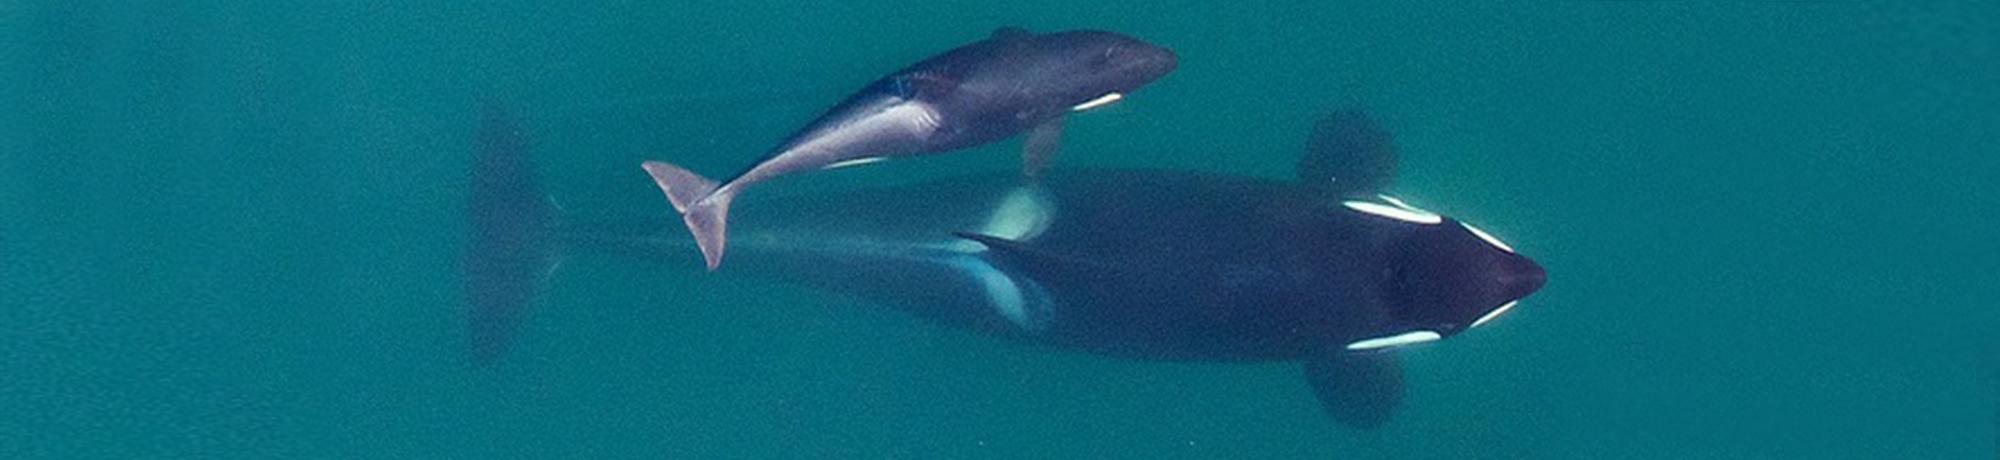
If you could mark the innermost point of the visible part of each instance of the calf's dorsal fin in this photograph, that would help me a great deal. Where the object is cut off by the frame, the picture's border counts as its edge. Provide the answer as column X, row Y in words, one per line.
column 1041, row 147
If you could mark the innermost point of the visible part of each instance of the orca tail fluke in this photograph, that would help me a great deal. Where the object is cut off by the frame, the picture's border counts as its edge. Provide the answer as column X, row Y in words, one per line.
column 705, row 211
column 511, row 246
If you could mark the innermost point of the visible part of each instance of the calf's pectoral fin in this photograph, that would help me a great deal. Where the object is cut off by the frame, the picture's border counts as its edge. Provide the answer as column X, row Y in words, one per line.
column 1041, row 147
column 1360, row 390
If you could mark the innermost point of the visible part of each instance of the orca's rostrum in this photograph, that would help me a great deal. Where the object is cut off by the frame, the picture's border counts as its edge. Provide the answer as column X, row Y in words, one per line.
column 1328, row 269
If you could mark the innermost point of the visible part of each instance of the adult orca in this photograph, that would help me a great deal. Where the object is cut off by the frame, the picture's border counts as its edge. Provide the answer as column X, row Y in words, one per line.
column 1146, row 264
column 982, row 92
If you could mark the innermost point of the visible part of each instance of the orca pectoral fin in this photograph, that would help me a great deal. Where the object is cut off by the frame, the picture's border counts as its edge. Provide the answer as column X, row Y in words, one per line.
column 1360, row 390
column 1008, row 249
column 1349, row 154
column 1041, row 147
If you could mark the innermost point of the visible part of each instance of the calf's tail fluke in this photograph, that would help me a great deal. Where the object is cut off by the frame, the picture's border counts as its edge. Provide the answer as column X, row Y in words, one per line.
column 510, row 248
column 705, row 211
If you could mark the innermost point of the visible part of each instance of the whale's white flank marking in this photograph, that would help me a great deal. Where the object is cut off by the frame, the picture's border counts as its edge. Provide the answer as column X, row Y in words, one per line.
column 885, row 117
column 1001, row 291
column 1486, row 236
column 1021, row 215
column 1493, row 314
column 1101, row 101
column 1405, row 338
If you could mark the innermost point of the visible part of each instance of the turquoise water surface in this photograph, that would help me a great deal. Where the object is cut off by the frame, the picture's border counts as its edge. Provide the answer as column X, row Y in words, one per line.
column 231, row 230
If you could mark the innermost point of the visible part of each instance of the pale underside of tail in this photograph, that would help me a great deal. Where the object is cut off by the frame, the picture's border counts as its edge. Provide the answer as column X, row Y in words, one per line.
column 702, row 208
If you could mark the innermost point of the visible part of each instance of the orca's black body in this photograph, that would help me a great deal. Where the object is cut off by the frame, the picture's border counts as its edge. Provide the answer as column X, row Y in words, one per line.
column 1154, row 265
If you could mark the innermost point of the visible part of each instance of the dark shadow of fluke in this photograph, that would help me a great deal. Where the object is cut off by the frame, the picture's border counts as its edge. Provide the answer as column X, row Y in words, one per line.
column 509, row 250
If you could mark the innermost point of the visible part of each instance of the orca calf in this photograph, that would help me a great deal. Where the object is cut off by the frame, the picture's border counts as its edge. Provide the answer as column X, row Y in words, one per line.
column 976, row 94
column 1328, row 269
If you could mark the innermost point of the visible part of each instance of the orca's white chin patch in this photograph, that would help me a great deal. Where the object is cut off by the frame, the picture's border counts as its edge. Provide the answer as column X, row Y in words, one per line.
column 1397, row 340
column 1101, row 101
column 1486, row 237
column 1493, row 314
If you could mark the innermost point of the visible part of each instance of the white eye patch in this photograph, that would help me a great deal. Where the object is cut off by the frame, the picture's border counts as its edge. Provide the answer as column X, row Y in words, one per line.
column 1101, row 101
column 1485, row 236
column 1395, row 210
column 1399, row 203
column 853, row 162
column 1397, row 340
column 1493, row 314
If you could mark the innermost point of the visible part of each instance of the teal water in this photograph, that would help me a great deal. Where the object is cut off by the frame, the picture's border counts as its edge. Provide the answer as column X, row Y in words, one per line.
column 230, row 229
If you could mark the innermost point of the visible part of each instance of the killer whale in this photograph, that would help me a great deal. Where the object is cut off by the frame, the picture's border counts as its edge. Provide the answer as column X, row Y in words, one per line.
column 982, row 92
column 1328, row 269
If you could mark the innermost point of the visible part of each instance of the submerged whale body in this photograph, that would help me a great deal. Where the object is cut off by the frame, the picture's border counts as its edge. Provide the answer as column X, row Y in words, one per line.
column 1160, row 265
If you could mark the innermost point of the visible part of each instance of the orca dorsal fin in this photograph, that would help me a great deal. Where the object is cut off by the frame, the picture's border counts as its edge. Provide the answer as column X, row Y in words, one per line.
column 1035, row 260
column 1359, row 390
column 1349, row 154
column 1010, row 33
column 1014, row 250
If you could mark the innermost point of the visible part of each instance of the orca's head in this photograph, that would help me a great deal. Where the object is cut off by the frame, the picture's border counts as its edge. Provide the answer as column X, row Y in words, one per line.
column 1097, row 67
column 1452, row 277
column 1445, row 276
